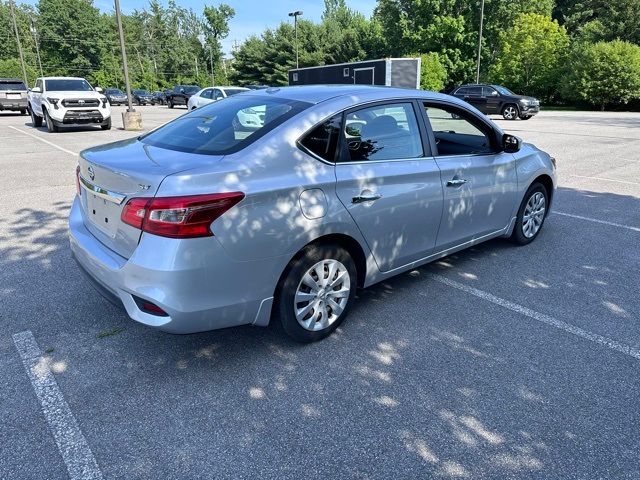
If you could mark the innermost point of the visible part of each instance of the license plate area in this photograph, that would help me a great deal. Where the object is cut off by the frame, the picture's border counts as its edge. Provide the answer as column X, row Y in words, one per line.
column 14, row 96
column 102, row 213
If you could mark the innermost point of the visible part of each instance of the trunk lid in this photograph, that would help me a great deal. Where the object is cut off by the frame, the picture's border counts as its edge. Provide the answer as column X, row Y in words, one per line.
column 112, row 174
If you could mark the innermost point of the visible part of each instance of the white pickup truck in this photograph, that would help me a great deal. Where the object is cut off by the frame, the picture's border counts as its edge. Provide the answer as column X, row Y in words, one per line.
column 68, row 101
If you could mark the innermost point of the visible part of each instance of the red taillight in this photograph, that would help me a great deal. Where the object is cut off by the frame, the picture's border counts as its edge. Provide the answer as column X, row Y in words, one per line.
column 78, row 179
column 179, row 217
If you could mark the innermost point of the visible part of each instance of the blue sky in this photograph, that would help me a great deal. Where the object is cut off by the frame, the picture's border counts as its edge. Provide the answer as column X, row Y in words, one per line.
column 252, row 16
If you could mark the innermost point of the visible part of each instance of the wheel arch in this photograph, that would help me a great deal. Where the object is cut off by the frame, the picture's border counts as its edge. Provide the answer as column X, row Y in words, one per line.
column 547, row 183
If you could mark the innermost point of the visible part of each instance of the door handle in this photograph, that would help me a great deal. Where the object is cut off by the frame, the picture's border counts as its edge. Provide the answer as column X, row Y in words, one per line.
column 456, row 182
column 366, row 198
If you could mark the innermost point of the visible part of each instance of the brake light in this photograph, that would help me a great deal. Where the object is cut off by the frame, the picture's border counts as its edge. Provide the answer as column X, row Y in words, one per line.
column 179, row 217
column 78, row 180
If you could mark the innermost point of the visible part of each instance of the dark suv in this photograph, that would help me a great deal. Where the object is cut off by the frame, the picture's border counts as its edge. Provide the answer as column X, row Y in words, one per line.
column 180, row 94
column 13, row 95
column 496, row 99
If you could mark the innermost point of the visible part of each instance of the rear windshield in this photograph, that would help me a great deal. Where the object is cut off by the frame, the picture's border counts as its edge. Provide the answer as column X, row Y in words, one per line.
column 12, row 86
column 224, row 127
column 233, row 91
column 191, row 89
column 68, row 85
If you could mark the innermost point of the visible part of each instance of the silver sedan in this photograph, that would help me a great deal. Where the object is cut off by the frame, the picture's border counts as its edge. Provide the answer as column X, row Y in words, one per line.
column 210, row 222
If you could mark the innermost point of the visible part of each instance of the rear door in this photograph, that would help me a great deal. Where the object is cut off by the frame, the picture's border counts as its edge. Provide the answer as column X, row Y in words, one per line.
column 478, row 180
column 388, row 181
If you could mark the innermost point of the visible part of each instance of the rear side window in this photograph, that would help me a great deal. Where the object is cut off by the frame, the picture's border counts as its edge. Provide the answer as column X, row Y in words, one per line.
column 462, row 91
column 475, row 91
column 225, row 127
column 12, row 86
column 382, row 132
column 323, row 140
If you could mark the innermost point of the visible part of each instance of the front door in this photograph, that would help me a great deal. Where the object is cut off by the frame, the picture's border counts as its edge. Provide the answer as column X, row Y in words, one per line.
column 389, row 182
column 493, row 100
column 475, row 97
column 363, row 76
column 478, row 180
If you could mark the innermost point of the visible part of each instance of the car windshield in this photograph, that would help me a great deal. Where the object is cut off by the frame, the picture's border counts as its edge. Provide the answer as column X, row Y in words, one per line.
column 115, row 91
column 191, row 89
column 68, row 85
column 503, row 90
column 141, row 92
column 223, row 127
column 233, row 91
column 12, row 86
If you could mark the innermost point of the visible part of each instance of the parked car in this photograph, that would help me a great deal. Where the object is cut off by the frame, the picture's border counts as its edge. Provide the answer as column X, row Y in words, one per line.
column 159, row 98
column 142, row 97
column 257, row 87
column 115, row 96
column 212, row 94
column 496, row 99
column 68, row 101
column 180, row 94
column 199, row 224
column 13, row 95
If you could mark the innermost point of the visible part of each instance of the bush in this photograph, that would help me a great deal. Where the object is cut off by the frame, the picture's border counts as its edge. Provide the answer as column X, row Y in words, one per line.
column 603, row 74
column 531, row 56
column 433, row 74
column 11, row 68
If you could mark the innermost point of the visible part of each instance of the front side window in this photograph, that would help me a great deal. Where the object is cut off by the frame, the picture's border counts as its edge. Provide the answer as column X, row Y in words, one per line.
column 503, row 90
column 206, row 93
column 323, row 139
column 225, row 127
column 68, row 85
column 456, row 133
column 489, row 91
column 382, row 132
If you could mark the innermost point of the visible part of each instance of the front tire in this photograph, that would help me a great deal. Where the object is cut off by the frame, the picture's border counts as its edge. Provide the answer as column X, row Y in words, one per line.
column 510, row 112
column 36, row 120
column 526, row 117
column 106, row 125
column 170, row 103
column 317, row 291
column 531, row 215
column 51, row 127
column 23, row 112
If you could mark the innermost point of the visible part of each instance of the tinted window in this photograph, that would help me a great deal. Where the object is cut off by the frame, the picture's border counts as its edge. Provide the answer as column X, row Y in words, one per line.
column 383, row 132
column 457, row 134
column 191, row 89
column 114, row 91
column 475, row 91
column 488, row 91
column 462, row 91
column 12, row 86
column 67, row 85
column 206, row 93
column 503, row 90
column 233, row 91
column 323, row 139
column 224, row 127
column 217, row 94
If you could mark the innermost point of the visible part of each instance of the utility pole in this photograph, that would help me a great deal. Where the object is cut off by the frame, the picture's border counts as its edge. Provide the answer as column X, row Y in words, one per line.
column 213, row 79
column 15, row 28
column 295, row 16
column 35, row 37
column 197, row 75
column 131, row 119
column 480, row 41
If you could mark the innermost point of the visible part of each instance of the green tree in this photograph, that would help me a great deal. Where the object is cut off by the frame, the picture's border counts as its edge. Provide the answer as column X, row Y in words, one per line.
column 531, row 56
column 433, row 74
column 603, row 74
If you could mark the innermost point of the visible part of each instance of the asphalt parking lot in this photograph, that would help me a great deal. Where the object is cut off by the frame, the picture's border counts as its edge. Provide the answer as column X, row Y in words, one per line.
column 497, row 362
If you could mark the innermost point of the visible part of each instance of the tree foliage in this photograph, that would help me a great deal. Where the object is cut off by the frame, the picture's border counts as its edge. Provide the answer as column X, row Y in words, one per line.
column 604, row 74
column 531, row 56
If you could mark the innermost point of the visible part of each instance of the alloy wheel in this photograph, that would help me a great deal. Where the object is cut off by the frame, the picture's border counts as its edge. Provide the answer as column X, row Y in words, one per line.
column 510, row 112
column 322, row 295
column 533, row 214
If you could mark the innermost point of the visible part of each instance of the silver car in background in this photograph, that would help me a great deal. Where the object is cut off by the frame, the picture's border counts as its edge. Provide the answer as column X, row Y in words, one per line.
column 209, row 95
column 207, row 223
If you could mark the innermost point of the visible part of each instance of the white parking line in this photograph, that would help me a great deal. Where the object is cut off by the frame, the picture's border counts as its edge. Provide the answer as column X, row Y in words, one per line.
column 73, row 447
column 605, row 179
column 62, row 149
column 541, row 317
column 595, row 220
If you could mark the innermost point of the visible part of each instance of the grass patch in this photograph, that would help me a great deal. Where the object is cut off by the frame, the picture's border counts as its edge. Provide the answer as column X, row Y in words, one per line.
column 110, row 332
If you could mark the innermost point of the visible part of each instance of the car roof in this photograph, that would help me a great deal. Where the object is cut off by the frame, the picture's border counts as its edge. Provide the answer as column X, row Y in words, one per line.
column 320, row 93
column 9, row 79
column 63, row 78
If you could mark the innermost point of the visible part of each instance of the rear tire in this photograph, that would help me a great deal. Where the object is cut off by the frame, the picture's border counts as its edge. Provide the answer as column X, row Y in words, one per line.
column 531, row 215
column 323, row 279
column 51, row 127
column 510, row 112
column 36, row 120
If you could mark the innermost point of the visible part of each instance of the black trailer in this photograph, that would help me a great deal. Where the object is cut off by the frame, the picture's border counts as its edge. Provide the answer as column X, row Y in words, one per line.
column 392, row 72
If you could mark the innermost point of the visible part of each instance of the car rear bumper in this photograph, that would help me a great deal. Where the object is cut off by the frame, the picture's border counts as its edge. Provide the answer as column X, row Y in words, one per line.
column 194, row 281
column 13, row 105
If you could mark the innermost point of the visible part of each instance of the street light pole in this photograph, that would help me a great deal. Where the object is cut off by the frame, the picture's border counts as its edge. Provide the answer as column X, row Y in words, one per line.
column 295, row 16
column 15, row 28
column 34, row 31
column 131, row 119
column 480, row 41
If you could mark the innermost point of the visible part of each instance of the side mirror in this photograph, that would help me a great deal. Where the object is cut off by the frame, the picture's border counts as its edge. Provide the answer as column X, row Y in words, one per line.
column 494, row 93
column 511, row 143
column 182, row 90
column 36, row 90
column 98, row 89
